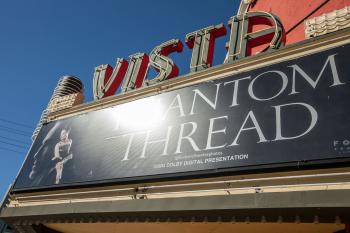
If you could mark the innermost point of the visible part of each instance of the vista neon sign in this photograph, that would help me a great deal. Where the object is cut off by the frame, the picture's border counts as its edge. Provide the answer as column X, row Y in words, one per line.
column 132, row 74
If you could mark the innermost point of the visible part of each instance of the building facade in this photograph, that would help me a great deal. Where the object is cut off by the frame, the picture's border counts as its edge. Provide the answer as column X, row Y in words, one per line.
column 257, row 144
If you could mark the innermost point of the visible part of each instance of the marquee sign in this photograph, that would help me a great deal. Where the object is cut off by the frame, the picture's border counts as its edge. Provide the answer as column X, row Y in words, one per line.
column 133, row 74
column 287, row 114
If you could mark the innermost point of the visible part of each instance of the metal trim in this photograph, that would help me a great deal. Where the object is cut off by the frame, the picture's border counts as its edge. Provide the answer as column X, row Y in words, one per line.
column 329, row 206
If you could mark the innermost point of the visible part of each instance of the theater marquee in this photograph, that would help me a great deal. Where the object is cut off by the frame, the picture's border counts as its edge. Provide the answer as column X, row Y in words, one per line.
column 287, row 114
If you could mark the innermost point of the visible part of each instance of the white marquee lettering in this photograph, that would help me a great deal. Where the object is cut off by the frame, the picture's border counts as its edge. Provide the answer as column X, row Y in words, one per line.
column 211, row 132
column 212, row 104
column 256, row 127
column 330, row 61
column 235, row 90
column 165, row 141
column 175, row 104
column 187, row 137
column 284, row 85
column 313, row 121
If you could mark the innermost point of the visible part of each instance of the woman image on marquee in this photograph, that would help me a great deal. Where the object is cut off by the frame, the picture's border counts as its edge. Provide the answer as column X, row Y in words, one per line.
column 62, row 153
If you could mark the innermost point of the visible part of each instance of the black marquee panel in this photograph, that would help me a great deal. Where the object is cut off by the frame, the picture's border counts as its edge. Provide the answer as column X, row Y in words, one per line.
column 288, row 113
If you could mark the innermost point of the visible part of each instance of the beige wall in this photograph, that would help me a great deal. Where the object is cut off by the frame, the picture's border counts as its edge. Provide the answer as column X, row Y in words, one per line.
column 196, row 227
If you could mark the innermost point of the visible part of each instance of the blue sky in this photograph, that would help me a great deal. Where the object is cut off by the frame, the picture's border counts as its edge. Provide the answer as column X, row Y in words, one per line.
column 41, row 40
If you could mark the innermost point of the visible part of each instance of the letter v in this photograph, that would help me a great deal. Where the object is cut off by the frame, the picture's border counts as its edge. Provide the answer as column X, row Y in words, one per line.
column 107, row 80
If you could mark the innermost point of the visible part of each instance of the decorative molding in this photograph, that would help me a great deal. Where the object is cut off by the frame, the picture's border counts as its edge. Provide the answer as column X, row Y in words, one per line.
column 65, row 102
column 66, row 85
column 326, row 23
column 315, row 206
